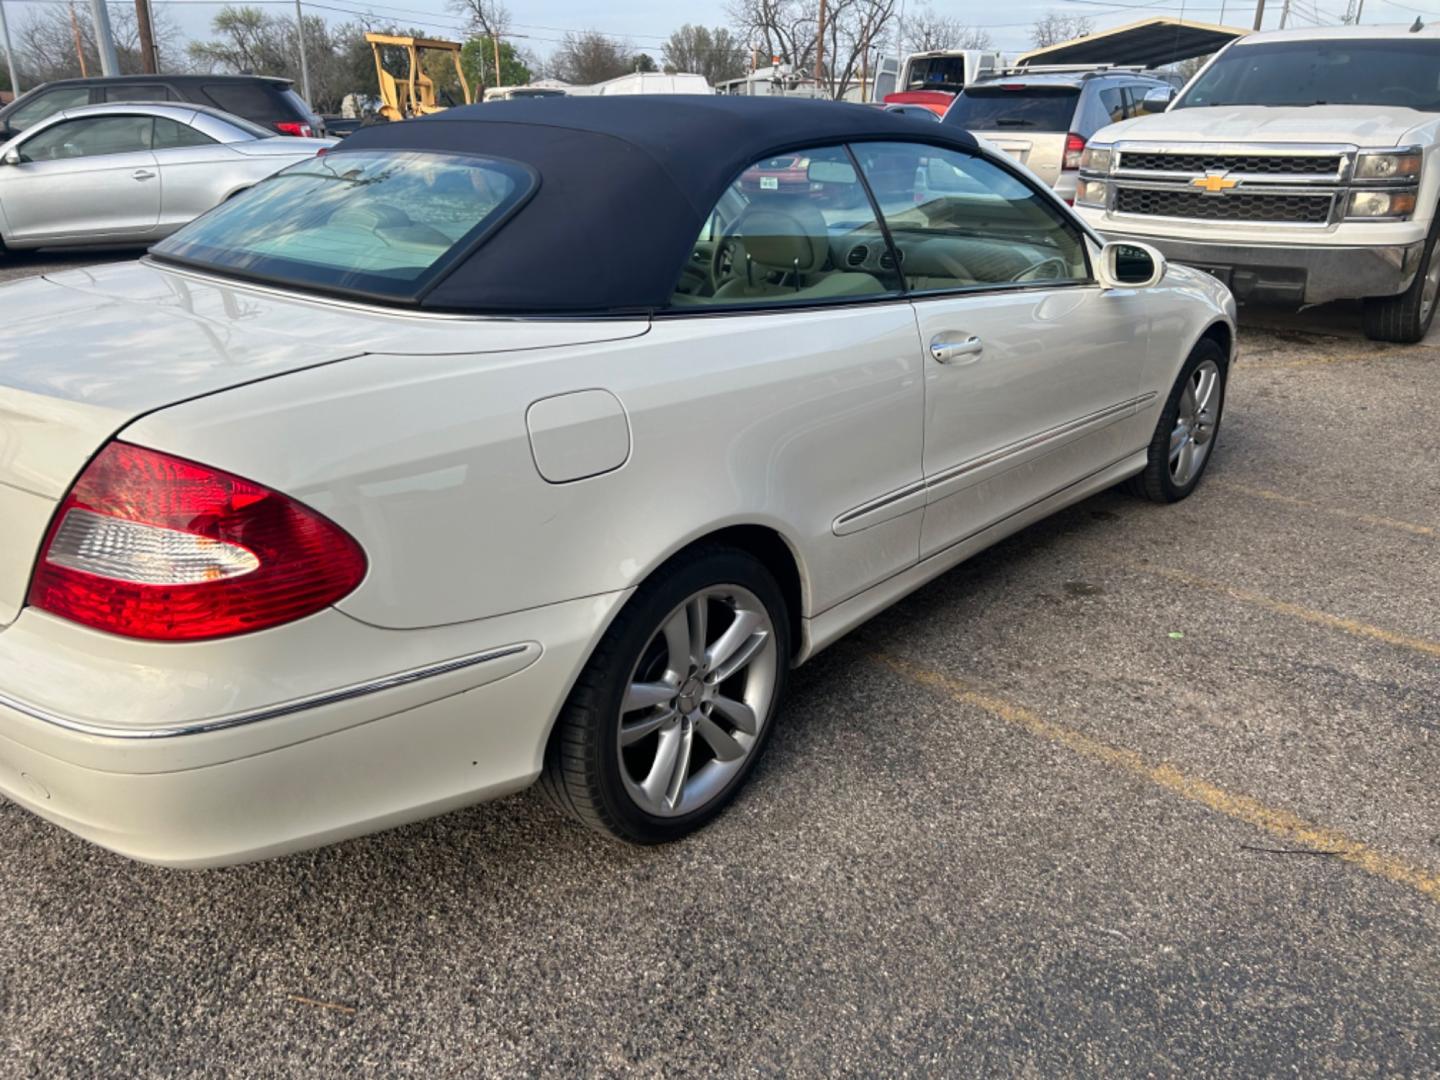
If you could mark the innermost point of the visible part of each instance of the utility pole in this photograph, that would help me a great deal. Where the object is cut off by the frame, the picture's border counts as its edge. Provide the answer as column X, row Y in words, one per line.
column 1284, row 14
column 104, row 38
column 820, row 50
column 79, row 45
column 9, row 52
column 304, row 63
column 1259, row 13
column 147, row 38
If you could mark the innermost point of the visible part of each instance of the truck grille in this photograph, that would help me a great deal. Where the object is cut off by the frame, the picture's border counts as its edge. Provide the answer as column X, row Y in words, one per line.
column 1300, row 209
column 1138, row 161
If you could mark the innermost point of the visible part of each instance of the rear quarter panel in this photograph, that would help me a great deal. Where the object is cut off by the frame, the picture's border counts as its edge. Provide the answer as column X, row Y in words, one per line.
column 784, row 420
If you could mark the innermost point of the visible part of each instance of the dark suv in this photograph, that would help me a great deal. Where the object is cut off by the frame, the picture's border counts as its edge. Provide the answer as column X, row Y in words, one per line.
column 272, row 103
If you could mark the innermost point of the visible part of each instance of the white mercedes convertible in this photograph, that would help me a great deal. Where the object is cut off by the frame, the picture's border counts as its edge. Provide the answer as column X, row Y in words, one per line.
column 540, row 442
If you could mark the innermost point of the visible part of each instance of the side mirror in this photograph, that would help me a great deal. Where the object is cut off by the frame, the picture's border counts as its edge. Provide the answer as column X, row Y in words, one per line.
column 1125, row 264
column 1159, row 99
column 13, row 156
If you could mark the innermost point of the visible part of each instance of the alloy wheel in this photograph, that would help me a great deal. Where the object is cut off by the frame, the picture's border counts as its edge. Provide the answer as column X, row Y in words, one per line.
column 1190, row 441
column 696, row 701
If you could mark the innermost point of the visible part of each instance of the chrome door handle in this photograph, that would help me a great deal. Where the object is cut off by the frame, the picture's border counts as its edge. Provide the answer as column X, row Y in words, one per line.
column 143, row 174
column 947, row 352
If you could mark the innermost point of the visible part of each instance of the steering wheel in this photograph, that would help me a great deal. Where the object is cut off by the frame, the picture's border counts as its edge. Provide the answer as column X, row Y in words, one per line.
column 723, row 255
column 1052, row 269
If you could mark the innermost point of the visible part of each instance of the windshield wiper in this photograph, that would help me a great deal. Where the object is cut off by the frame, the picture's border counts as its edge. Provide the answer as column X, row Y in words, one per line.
column 1003, row 122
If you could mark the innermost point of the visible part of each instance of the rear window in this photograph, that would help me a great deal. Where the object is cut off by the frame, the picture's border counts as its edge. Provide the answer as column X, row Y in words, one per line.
column 251, row 100
column 1014, row 106
column 937, row 73
column 379, row 224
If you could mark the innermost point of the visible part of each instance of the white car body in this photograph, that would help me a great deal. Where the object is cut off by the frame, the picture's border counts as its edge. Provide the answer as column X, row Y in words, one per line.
column 512, row 481
column 1300, row 262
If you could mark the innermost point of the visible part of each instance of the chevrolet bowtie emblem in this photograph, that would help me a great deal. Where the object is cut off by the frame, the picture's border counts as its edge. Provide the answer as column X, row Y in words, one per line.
column 1214, row 183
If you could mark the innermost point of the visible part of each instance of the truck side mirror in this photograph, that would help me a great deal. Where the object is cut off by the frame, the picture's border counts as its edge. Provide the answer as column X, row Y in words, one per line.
column 1158, row 100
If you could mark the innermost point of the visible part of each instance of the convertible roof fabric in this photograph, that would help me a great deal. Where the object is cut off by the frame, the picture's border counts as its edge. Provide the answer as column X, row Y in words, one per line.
column 626, row 184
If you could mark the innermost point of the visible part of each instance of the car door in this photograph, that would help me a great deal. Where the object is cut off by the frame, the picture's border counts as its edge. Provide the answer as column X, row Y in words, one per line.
column 1031, row 370
column 91, row 177
column 193, row 171
column 802, row 362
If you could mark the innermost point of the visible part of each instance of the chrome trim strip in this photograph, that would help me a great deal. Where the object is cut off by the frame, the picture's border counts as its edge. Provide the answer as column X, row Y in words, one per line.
column 880, row 503
column 973, row 465
column 269, row 712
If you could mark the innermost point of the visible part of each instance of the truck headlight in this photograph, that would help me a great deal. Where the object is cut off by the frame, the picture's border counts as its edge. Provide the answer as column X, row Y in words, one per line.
column 1095, row 159
column 1381, row 204
column 1091, row 192
column 1387, row 166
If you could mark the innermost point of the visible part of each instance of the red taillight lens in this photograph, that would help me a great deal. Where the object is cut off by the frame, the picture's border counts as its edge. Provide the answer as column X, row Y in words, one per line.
column 1074, row 147
column 293, row 127
column 152, row 546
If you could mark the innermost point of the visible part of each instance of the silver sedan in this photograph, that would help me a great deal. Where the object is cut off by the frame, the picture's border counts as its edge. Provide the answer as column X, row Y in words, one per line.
column 131, row 172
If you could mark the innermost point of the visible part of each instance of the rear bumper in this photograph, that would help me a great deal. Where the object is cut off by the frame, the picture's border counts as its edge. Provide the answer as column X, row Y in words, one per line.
column 309, row 772
column 1293, row 274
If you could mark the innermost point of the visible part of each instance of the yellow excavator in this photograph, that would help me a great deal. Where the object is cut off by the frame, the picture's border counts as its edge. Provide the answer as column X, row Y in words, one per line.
column 415, row 96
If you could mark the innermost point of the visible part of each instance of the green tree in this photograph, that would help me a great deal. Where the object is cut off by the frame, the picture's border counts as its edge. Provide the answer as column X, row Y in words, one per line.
column 478, row 60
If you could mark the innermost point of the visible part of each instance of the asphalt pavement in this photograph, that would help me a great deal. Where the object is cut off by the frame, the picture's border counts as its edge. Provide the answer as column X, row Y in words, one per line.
column 1141, row 791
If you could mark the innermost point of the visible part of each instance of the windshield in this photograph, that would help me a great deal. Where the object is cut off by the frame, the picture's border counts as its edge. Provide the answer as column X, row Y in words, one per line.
column 379, row 223
column 1391, row 73
column 1017, row 106
column 937, row 73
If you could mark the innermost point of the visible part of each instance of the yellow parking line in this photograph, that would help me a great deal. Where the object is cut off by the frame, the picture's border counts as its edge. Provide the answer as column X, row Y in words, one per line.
column 1279, row 823
column 1309, row 615
column 1333, row 511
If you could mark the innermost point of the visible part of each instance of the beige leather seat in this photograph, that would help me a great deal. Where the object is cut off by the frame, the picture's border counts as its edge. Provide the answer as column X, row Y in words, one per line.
column 786, row 245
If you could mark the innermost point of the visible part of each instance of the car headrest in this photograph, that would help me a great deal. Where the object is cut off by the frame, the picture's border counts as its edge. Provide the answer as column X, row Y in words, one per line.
column 785, row 234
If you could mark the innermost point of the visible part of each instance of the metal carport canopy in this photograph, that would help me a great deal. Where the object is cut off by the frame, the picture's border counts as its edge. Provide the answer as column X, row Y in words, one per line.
column 1149, row 43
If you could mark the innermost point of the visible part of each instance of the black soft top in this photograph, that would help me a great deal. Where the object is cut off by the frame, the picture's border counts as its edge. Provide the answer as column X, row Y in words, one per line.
column 625, row 187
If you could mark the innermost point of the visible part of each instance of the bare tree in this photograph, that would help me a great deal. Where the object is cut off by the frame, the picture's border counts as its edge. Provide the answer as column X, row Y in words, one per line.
column 45, row 42
column 926, row 30
column 1057, row 26
column 591, row 57
column 784, row 30
column 853, row 29
column 716, row 54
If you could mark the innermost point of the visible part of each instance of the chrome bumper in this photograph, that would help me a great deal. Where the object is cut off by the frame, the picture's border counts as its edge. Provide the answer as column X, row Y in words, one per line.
column 1299, row 275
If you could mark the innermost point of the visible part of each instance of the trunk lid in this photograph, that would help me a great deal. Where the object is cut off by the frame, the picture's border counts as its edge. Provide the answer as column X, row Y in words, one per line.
column 86, row 352
column 1043, row 154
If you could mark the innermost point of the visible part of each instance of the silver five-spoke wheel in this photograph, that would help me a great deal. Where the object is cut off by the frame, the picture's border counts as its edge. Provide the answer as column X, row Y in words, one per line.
column 696, row 700
column 1195, row 424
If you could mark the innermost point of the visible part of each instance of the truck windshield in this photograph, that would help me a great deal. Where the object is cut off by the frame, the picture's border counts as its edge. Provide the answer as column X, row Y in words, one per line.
column 1014, row 107
column 1387, row 72
column 936, row 73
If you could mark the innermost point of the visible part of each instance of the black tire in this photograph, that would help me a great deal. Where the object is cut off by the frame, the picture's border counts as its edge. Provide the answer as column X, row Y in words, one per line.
column 1156, row 483
column 1404, row 319
column 582, row 773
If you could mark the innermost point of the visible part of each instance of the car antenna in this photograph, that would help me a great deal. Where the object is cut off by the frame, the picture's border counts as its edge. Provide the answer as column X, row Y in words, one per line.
column 1417, row 25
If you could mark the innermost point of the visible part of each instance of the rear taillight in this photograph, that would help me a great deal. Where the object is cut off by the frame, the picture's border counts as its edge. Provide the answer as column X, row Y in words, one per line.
column 294, row 127
column 1074, row 147
column 152, row 546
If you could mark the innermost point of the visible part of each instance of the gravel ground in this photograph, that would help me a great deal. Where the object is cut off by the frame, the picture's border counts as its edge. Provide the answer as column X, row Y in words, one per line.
column 1141, row 791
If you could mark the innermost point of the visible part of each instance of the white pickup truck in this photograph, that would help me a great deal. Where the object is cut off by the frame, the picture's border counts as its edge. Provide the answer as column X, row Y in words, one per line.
column 1298, row 166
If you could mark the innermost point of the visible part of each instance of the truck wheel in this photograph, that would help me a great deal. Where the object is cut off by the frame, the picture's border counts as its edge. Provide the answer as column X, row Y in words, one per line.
column 1406, row 318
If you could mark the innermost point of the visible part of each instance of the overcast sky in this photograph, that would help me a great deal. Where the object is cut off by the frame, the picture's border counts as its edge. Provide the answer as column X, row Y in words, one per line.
column 646, row 23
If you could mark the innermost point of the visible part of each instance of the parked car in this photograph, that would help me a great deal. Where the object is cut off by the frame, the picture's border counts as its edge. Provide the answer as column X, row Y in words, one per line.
column 1299, row 167
column 271, row 103
column 429, row 468
column 112, row 174
column 917, row 112
column 1043, row 117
